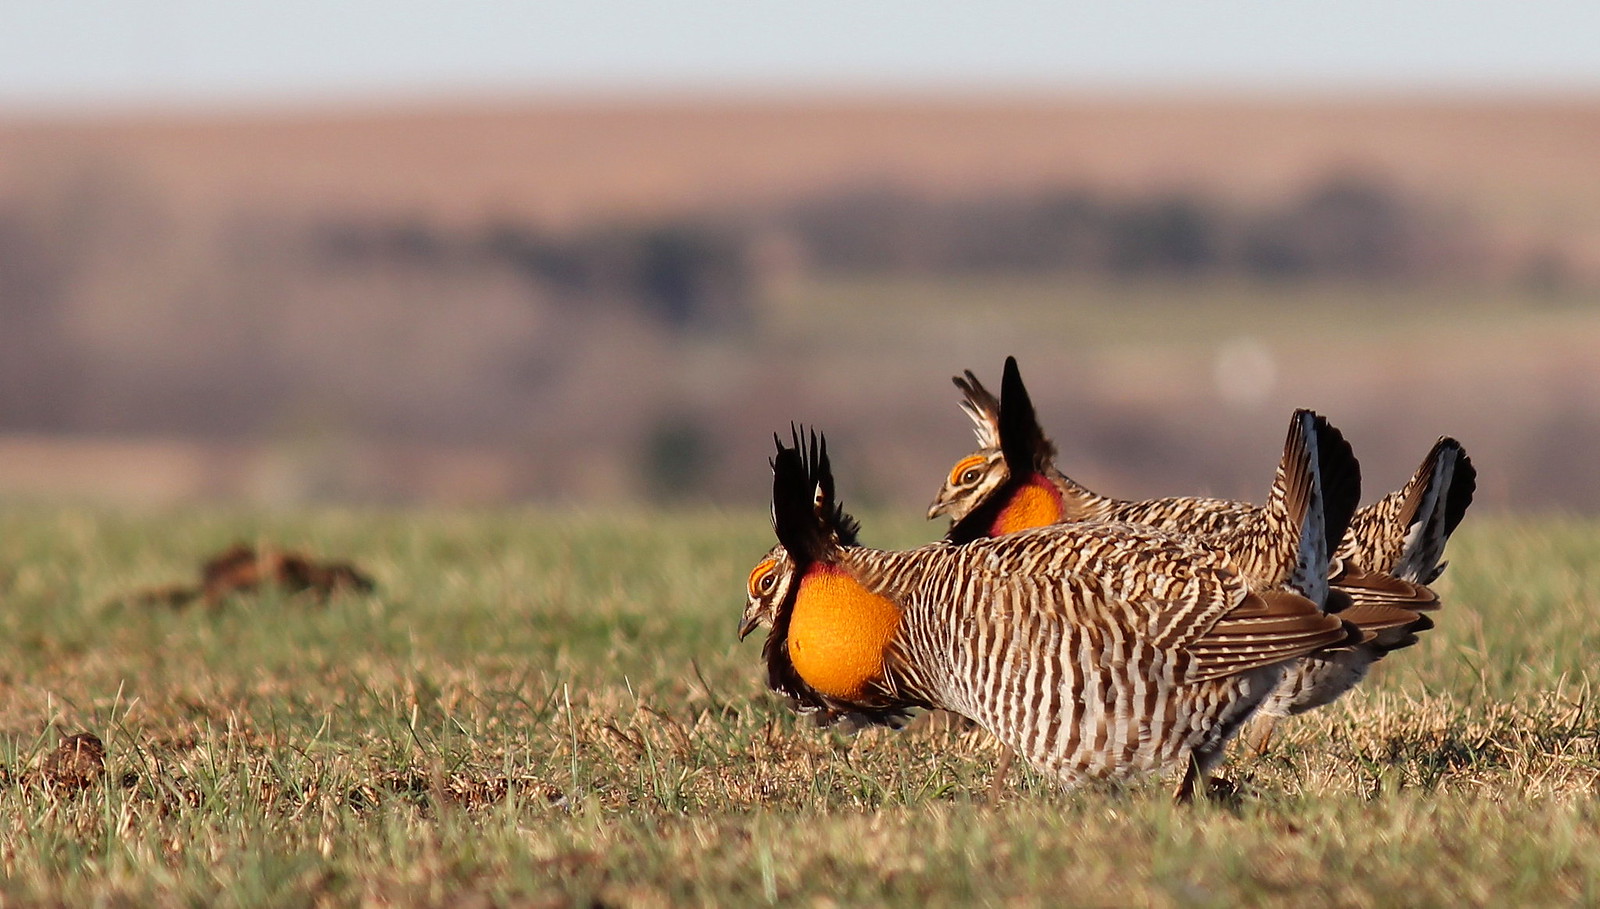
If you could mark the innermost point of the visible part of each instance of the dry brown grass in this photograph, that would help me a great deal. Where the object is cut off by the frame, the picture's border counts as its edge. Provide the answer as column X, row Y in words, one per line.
column 543, row 708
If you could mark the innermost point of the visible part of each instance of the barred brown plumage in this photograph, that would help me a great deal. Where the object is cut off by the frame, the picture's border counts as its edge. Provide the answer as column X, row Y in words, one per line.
column 1096, row 651
column 1404, row 533
column 1391, row 548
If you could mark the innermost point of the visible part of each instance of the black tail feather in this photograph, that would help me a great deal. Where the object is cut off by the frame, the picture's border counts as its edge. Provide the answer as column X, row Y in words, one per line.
column 1462, row 487
column 1341, row 480
column 1436, row 500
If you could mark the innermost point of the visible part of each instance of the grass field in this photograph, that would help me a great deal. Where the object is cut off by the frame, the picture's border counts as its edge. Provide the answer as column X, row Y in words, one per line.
column 549, row 708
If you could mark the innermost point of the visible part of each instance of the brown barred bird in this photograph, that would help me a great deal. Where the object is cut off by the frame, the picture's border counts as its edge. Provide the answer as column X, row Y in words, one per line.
column 1402, row 534
column 1392, row 549
column 1095, row 651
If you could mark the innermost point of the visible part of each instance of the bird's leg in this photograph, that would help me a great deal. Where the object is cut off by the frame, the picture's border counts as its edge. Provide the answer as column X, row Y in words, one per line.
column 1001, row 771
column 1259, row 736
column 1192, row 778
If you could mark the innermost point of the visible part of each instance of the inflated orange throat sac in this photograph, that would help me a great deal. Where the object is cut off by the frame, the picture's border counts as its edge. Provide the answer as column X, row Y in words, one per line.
column 1035, row 505
column 839, row 631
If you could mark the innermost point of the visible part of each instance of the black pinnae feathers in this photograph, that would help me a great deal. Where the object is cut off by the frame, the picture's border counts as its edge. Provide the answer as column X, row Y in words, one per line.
column 1025, row 449
column 793, row 515
column 806, row 515
column 841, row 526
column 1022, row 441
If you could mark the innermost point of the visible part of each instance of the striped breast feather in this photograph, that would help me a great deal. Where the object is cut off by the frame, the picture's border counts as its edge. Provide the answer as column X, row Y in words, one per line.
column 1190, row 514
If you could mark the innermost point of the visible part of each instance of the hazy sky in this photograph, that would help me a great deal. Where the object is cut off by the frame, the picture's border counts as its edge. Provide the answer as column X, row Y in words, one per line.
column 97, row 52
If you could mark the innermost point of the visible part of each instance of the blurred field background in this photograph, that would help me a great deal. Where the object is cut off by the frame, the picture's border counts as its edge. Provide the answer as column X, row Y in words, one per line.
column 610, row 299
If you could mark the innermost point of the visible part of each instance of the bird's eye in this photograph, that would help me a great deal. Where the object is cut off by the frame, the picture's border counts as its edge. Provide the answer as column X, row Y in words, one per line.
column 966, row 470
column 763, row 577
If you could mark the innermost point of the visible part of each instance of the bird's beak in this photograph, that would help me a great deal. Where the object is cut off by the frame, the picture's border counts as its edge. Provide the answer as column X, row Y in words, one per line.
column 937, row 508
column 748, row 625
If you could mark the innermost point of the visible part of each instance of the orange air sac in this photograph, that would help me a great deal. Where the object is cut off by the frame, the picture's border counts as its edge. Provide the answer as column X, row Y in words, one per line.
column 839, row 631
column 1037, row 504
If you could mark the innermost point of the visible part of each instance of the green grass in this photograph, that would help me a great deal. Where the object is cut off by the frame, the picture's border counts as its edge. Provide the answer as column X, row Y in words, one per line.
column 1084, row 313
column 550, row 708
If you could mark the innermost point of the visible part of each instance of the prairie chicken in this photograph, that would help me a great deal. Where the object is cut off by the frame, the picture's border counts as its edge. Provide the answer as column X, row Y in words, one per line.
column 1095, row 651
column 1012, row 482
column 1402, row 534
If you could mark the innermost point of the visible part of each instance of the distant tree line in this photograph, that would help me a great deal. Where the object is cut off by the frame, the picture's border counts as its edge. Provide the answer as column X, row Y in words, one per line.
column 686, row 275
column 1347, row 226
column 40, row 368
column 702, row 273
column 115, row 315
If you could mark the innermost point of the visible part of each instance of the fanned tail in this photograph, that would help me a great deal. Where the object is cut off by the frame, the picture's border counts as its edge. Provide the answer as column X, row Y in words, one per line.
column 1313, row 498
column 1436, row 500
column 1405, row 532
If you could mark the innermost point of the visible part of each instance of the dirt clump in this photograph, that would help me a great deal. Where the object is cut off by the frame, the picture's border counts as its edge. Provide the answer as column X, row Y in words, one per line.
column 242, row 568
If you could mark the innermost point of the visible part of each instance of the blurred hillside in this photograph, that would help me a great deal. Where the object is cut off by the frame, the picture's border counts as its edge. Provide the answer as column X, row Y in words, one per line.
column 609, row 301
